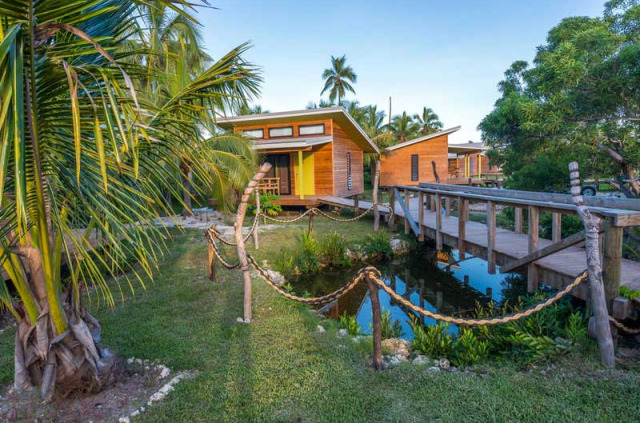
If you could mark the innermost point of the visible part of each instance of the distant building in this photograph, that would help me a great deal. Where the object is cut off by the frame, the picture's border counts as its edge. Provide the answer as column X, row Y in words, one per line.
column 469, row 161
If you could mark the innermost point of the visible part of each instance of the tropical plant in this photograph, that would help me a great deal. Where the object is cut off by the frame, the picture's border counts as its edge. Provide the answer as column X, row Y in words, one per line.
column 468, row 349
column 350, row 324
column 332, row 250
column 434, row 341
column 83, row 158
column 390, row 328
column 428, row 121
column 268, row 205
column 378, row 245
column 307, row 257
column 256, row 109
column 403, row 127
column 338, row 79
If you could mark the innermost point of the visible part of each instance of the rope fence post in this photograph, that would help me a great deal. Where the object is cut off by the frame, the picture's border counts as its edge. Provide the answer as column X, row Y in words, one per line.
column 311, row 215
column 242, row 252
column 377, row 323
column 212, row 258
column 256, row 242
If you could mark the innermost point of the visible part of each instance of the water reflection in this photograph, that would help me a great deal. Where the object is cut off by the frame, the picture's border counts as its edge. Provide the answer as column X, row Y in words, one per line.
column 436, row 281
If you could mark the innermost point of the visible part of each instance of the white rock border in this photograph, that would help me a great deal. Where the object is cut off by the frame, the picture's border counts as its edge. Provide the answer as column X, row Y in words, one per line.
column 162, row 392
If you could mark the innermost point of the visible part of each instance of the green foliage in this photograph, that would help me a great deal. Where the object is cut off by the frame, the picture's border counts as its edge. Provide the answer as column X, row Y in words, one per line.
column 268, row 205
column 433, row 341
column 307, row 258
column 332, row 250
column 284, row 262
column 628, row 293
column 390, row 328
column 468, row 349
column 350, row 324
column 288, row 288
column 378, row 245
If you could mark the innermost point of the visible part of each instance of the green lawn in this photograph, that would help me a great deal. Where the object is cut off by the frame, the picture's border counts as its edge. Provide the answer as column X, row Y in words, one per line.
column 279, row 369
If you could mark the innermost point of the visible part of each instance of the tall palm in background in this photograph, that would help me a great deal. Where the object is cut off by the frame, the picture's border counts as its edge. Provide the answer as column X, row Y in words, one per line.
column 403, row 127
column 338, row 79
column 428, row 121
column 179, row 78
column 83, row 158
column 257, row 109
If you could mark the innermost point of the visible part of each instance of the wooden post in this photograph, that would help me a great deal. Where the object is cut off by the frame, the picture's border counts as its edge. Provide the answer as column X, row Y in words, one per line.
column 377, row 324
column 556, row 227
column 518, row 220
column 612, row 262
column 438, row 223
column 421, row 216
column 356, row 204
column 532, row 270
column 596, row 287
column 256, row 243
column 462, row 206
column 407, row 201
column 392, row 204
column 301, row 172
column 212, row 258
column 491, row 236
column 447, row 206
column 376, row 183
column 242, row 252
column 432, row 203
column 435, row 171
column 310, row 230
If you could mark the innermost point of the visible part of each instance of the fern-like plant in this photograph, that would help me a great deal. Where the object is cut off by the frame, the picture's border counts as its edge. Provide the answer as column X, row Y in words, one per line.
column 350, row 324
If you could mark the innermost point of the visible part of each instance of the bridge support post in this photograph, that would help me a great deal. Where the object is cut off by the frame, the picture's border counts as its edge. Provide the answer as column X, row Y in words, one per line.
column 447, row 206
column 532, row 270
column 556, row 227
column 518, row 220
column 421, row 216
column 612, row 262
column 491, row 236
column 438, row 212
column 392, row 205
column 462, row 220
column 407, row 202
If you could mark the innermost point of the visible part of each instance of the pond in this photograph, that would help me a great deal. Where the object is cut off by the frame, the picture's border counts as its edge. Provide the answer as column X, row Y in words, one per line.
column 434, row 280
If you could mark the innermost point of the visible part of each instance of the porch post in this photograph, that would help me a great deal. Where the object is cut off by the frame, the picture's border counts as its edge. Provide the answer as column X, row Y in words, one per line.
column 301, row 169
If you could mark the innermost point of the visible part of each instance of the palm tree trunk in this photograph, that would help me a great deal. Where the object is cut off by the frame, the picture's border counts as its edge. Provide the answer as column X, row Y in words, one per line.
column 186, row 188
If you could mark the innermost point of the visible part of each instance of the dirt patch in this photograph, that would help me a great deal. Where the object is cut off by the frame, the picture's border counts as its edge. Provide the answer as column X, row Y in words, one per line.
column 139, row 384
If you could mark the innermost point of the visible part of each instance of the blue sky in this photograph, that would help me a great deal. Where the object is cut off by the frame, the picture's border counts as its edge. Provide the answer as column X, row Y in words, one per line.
column 447, row 55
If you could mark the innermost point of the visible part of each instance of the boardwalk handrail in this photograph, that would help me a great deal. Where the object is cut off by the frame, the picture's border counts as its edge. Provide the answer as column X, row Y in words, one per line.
column 595, row 201
column 407, row 212
column 619, row 217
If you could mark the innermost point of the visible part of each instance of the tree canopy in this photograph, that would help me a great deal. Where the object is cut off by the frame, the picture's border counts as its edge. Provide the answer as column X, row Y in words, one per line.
column 579, row 99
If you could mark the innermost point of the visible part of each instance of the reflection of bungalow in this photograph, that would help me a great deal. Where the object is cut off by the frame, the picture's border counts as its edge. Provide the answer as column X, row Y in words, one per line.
column 409, row 163
column 314, row 152
column 469, row 161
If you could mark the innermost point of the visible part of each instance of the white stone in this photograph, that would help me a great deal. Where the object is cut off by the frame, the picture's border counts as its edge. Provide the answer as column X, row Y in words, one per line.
column 401, row 358
column 164, row 372
column 444, row 364
column 320, row 329
column 123, row 420
column 240, row 320
column 276, row 277
column 247, row 320
column 130, row 360
column 135, row 413
column 434, row 369
column 421, row 360
column 343, row 332
column 158, row 396
column 399, row 246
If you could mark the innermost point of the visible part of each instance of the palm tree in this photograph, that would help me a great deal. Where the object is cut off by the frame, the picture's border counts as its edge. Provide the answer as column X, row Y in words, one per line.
column 83, row 158
column 429, row 121
column 323, row 103
column 403, row 127
column 337, row 79
column 245, row 109
column 355, row 111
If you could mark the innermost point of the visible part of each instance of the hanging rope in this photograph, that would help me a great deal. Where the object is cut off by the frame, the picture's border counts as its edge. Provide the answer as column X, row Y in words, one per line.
column 622, row 327
column 316, row 210
column 213, row 232
column 210, row 239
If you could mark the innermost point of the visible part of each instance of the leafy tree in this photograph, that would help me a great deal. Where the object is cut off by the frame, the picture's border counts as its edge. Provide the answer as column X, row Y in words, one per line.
column 429, row 121
column 83, row 156
column 580, row 98
column 338, row 79
column 403, row 127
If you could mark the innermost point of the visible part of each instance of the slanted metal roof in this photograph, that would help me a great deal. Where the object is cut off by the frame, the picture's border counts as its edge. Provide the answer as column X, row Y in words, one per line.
column 469, row 147
column 425, row 138
column 338, row 114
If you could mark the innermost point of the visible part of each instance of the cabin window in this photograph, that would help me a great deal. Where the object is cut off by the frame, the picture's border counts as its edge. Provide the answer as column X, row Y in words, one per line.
column 286, row 131
column 414, row 167
column 311, row 129
column 254, row 133
column 349, row 171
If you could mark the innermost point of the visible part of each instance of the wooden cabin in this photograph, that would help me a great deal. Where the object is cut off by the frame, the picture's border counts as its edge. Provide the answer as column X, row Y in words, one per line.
column 468, row 161
column 314, row 152
column 409, row 163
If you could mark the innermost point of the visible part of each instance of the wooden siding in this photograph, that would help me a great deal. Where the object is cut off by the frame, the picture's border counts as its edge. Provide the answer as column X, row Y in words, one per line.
column 295, row 125
column 342, row 145
column 458, row 166
column 395, row 169
column 323, row 157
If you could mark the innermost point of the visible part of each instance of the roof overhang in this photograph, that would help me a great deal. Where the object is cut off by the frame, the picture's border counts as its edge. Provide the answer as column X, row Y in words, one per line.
column 467, row 148
column 338, row 114
column 291, row 143
column 425, row 138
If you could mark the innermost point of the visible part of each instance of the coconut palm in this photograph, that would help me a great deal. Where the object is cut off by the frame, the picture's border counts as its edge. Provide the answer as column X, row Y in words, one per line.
column 323, row 103
column 428, row 121
column 338, row 79
column 245, row 109
column 403, row 127
column 83, row 160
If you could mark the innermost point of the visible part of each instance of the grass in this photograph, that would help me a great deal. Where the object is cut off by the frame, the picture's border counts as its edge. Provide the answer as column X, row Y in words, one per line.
column 279, row 369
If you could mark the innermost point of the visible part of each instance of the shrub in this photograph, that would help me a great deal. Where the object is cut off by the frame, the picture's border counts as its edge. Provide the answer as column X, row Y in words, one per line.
column 350, row 324
column 468, row 349
column 268, row 205
column 378, row 245
column 433, row 341
column 306, row 258
column 284, row 262
column 332, row 250
column 390, row 329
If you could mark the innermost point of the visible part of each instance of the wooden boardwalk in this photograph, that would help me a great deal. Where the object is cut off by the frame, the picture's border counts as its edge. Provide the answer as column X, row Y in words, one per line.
column 555, row 270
